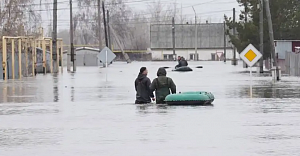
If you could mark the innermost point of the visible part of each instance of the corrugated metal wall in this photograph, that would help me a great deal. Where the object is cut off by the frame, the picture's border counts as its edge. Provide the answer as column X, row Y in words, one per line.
column 39, row 61
column 282, row 47
column 292, row 63
column 86, row 57
column 26, row 70
column 209, row 36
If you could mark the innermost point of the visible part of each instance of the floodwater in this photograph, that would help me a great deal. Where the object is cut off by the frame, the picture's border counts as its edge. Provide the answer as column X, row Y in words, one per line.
column 92, row 113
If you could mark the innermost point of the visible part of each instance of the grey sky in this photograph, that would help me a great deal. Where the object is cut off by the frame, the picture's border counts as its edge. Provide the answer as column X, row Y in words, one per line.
column 211, row 10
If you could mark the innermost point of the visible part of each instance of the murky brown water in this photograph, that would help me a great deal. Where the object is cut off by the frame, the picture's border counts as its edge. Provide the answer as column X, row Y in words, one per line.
column 82, row 114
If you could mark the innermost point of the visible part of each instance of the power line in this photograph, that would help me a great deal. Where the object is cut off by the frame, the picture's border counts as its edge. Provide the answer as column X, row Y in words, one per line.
column 149, row 18
column 79, row 7
column 198, row 4
column 61, row 2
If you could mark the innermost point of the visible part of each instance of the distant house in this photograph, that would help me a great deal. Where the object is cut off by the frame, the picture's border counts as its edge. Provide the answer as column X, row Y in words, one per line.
column 210, row 41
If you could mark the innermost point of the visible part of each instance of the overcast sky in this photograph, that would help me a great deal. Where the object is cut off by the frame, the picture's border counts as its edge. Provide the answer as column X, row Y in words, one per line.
column 212, row 10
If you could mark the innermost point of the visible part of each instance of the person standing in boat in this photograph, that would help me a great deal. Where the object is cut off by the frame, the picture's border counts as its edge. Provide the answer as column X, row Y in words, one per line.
column 162, row 86
column 142, row 87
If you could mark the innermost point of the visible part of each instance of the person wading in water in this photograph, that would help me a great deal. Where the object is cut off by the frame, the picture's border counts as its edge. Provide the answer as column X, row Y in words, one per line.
column 142, row 87
column 162, row 86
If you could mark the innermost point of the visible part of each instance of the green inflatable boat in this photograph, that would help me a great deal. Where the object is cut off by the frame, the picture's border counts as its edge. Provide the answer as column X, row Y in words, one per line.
column 190, row 98
column 183, row 69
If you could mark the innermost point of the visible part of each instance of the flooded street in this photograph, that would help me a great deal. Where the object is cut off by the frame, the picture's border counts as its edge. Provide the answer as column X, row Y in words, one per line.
column 92, row 113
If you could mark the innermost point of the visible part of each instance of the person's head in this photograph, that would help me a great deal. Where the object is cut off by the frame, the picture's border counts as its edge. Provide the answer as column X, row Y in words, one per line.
column 161, row 72
column 143, row 71
column 179, row 57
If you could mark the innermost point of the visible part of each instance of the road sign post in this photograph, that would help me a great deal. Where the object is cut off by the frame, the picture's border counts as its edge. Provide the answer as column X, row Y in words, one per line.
column 106, row 56
column 106, row 63
column 250, row 55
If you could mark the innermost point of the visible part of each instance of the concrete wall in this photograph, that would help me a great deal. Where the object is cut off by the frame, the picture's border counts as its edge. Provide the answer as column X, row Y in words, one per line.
column 204, row 54
column 209, row 36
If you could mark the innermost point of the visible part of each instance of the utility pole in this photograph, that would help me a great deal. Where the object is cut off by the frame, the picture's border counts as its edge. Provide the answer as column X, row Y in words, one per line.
column 246, row 12
column 224, row 41
column 119, row 44
column 268, row 12
column 261, row 36
column 104, row 21
column 54, row 37
column 173, row 37
column 196, row 36
column 99, row 24
column 234, row 61
column 108, row 31
column 71, row 38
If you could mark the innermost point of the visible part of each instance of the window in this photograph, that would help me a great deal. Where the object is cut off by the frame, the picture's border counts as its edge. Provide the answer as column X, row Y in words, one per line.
column 165, row 56
column 192, row 56
column 168, row 56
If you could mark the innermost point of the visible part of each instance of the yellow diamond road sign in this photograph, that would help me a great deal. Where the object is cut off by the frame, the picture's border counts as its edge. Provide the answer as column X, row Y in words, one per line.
column 250, row 55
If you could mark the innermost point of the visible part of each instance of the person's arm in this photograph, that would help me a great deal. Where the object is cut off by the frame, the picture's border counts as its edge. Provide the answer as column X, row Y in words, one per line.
column 172, row 86
column 135, row 85
column 148, row 84
column 187, row 63
column 153, row 86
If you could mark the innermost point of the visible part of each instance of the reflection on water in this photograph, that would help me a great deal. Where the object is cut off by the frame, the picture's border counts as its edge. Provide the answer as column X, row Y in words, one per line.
column 72, row 94
column 278, row 90
column 81, row 113
column 29, row 137
column 55, row 88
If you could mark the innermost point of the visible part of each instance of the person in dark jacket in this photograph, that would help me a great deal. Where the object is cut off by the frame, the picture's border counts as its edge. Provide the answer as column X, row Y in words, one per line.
column 142, row 87
column 179, row 62
column 178, row 59
column 183, row 62
column 162, row 86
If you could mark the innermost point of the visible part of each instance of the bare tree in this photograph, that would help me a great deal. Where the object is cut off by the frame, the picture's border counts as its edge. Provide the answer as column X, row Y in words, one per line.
column 17, row 17
column 132, row 28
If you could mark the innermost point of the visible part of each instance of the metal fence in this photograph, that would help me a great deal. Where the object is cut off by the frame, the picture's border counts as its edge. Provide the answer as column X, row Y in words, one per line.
column 292, row 63
column 209, row 35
